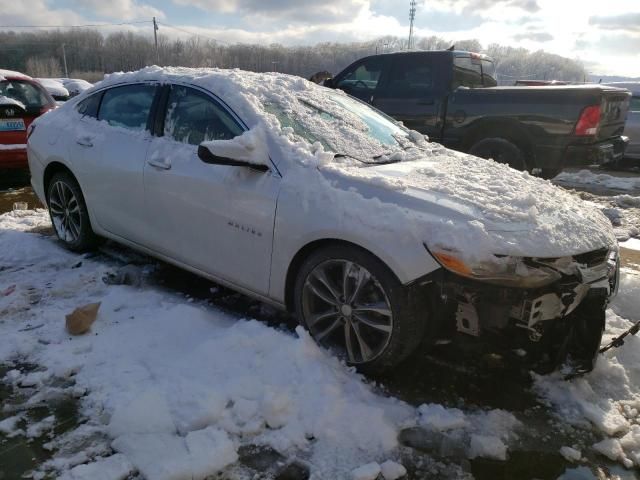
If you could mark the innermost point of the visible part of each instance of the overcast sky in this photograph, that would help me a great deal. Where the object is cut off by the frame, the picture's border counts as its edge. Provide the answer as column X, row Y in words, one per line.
column 604, row 35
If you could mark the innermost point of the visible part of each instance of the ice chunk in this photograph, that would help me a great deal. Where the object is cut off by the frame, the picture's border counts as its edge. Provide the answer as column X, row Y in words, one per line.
column 370, row 471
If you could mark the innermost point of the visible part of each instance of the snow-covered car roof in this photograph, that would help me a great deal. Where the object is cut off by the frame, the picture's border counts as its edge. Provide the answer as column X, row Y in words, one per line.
column 4, row 74
column 75, row 85
column 53, row 86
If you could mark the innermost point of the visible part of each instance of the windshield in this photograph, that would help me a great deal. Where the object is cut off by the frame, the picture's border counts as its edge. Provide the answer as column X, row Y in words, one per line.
column 26, row 93
column 342, row 125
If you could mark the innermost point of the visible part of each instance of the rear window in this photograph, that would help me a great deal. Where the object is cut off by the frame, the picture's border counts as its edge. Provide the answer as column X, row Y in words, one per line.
column 31, row 96
column 473, row 72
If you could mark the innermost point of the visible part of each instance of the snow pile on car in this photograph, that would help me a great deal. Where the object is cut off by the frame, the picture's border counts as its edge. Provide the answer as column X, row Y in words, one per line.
column 11, row 101
column 54, row 87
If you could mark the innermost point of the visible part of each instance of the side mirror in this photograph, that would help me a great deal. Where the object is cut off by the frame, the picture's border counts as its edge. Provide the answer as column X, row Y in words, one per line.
column 329, row 83
column 234, row 155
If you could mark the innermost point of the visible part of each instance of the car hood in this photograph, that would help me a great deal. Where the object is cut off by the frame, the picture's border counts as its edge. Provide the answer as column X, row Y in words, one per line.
column 479, row 207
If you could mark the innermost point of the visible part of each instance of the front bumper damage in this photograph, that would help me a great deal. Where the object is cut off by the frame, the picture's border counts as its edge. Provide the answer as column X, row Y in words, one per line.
column 556, row 324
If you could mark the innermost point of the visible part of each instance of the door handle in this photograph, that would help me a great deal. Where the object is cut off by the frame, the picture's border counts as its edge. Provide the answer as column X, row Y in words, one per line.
column 84, row 141
column 162, row 164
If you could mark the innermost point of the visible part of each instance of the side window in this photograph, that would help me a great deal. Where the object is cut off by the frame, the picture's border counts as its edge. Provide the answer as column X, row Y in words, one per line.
column 467, row 72
column 127, row 106
column 89, row 106
column 193, row 117
column 410, row 77
column 635, row 104
column 363, row 78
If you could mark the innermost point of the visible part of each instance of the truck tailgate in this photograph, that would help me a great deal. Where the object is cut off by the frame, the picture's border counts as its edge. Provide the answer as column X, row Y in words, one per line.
column 614, row 107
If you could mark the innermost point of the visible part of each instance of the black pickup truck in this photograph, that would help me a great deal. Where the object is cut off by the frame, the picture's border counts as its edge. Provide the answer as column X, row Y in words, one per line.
column 453, row 97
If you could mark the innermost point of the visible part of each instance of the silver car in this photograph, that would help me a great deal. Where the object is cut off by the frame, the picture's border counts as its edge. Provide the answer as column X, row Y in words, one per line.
column 305, row 198
column 632, row 127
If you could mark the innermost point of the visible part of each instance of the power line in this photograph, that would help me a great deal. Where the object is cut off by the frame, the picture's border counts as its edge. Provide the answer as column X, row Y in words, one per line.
column 191, row 33
column 79, row 26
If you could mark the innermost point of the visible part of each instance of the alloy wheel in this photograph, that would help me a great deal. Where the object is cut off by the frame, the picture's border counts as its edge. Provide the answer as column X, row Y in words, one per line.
column 65, row 212
column 346, row 309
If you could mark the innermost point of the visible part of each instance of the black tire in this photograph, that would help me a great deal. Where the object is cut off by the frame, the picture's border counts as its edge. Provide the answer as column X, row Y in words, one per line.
column 77, row 236
column 500, row 150
column 407, row 326
column 549, row 173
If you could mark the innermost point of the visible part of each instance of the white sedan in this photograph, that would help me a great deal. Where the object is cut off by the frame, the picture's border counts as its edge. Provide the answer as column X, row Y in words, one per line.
column 310, row 200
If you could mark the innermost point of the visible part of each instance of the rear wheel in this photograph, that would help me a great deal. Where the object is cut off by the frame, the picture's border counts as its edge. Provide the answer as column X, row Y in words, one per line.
column 500, row 150
column 352, row 304
column 68, row 213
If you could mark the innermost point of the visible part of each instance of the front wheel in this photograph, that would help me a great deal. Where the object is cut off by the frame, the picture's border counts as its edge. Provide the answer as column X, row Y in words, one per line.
column 68, row 212
column 352, row 304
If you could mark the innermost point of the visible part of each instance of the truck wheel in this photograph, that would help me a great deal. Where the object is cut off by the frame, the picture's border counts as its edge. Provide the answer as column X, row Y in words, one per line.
column 500, row 150
column 352, row 304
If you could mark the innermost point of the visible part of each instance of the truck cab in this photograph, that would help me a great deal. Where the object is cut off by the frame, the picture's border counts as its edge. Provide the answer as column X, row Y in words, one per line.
column 452, row 96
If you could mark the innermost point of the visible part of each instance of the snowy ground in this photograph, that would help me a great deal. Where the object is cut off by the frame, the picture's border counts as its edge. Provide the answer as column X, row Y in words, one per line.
column 168, row 386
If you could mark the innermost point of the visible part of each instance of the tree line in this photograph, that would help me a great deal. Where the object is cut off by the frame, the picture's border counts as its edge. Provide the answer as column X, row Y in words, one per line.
column 89, row 54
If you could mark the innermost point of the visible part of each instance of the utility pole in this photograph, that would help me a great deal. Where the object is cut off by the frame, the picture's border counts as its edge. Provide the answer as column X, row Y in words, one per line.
column 155, row 37
column 64, row 61
column 412, row 16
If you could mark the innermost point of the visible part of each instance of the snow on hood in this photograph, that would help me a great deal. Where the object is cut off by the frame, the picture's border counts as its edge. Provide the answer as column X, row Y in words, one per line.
column 485, row 207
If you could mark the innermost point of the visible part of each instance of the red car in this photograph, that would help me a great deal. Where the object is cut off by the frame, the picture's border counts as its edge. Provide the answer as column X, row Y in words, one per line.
column 22, row 100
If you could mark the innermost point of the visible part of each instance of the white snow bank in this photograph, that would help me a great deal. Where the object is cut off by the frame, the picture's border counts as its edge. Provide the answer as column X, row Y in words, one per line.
column 587, row 177
column 179, row 387
column 115, row 467
column 608, row 398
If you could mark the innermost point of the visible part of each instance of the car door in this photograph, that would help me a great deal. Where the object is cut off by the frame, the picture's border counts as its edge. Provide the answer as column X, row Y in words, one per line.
column 215, row 218
column 413, row 94
column 115, row 149
column 362, row 78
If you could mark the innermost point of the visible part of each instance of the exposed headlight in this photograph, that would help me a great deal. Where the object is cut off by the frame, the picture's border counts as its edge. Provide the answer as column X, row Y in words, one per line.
column 500, row 270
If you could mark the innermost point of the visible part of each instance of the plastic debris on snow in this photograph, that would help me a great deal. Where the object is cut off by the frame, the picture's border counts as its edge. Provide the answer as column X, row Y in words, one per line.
column 608, row 398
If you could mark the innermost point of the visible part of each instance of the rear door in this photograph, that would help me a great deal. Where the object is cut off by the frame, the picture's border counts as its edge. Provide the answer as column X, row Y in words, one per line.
column 414, row 93
column 115, row 152
column 363, row 78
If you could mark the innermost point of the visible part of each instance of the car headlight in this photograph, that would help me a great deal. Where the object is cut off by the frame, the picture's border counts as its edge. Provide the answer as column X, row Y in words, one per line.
column 500, row 270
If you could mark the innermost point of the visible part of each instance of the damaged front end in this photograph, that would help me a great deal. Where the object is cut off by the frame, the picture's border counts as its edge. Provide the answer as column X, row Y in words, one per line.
column 551, row 310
